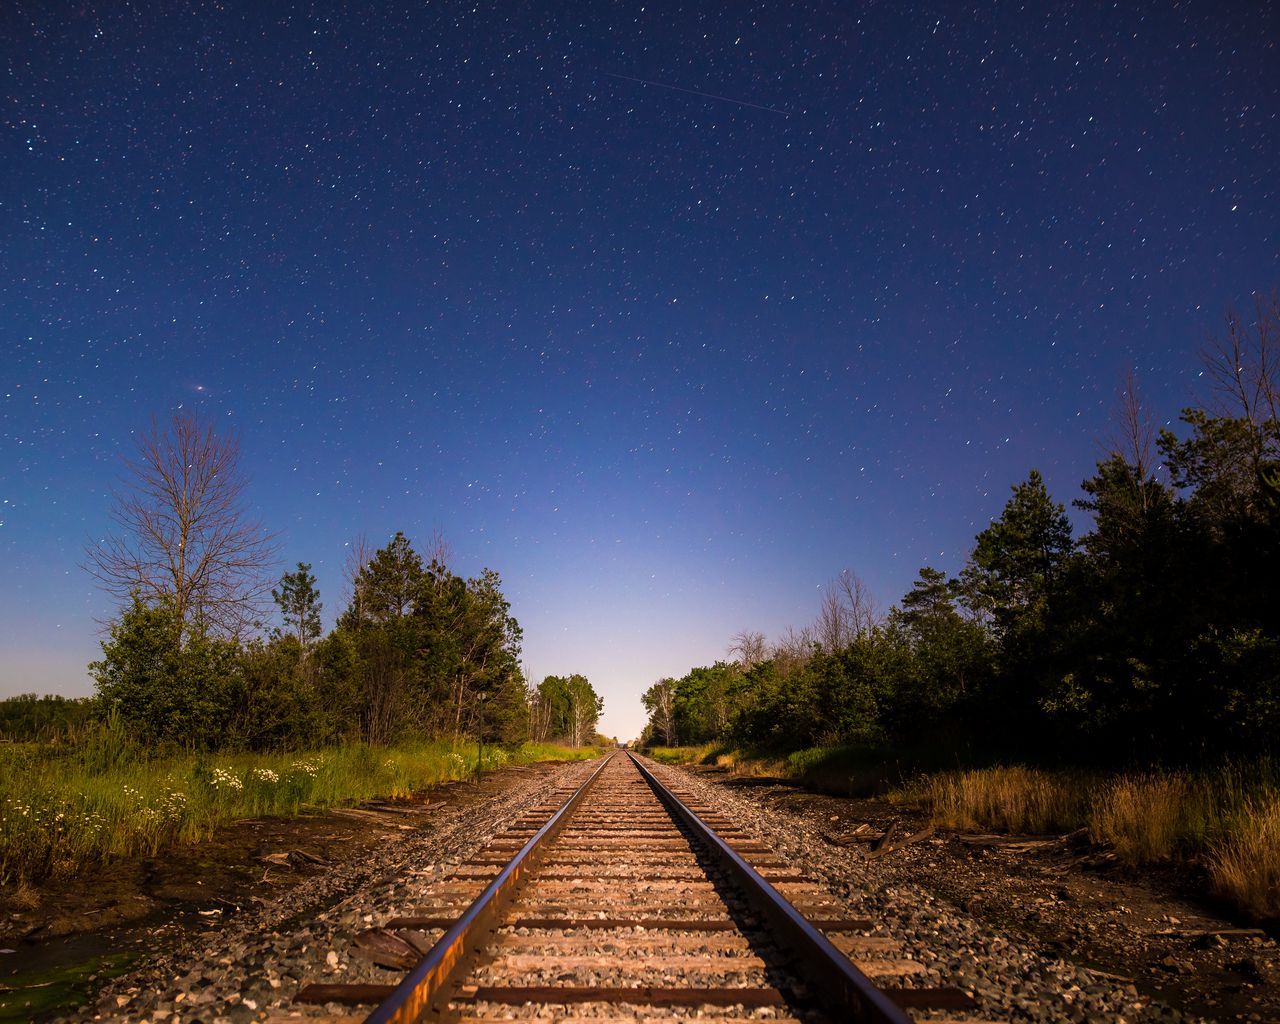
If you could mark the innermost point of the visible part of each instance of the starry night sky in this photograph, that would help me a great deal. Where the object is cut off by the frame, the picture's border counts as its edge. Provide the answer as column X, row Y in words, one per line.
column 666, row 312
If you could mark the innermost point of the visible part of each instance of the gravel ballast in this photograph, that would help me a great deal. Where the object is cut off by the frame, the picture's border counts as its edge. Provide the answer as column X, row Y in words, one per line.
column 249, row 967
column 1005, row 972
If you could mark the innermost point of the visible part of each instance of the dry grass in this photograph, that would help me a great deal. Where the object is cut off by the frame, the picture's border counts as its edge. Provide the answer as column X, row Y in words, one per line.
column 1229, row 818
column 1146, row 818
column 1011, row 799
column 1244, row 868
column 24, row 897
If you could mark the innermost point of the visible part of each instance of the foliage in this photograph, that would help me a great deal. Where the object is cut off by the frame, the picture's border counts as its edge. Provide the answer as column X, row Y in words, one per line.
column 432, row 652
column 566, row 708
column 50, row 718
column 1018, row 560
column 419, row 651
column 171, row 684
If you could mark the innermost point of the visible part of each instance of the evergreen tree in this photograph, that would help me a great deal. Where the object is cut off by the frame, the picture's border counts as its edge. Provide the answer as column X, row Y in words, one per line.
column 299, row 603
column 390, row 582
column 1019, row 558
column 952, row 653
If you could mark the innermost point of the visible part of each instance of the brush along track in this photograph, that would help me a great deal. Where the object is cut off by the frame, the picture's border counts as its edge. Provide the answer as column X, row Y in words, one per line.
column 620, row 901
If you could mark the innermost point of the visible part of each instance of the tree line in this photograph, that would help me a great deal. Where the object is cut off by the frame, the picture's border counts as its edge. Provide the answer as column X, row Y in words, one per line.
column 190, row 660
column 50, row 718
column 1154, row 636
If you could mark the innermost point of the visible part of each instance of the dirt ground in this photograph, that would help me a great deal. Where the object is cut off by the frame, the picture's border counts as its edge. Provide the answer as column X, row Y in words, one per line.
column 1154, row 929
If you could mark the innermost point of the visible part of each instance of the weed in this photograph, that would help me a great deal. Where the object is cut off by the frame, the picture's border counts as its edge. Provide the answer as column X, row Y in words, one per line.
column 64, row 810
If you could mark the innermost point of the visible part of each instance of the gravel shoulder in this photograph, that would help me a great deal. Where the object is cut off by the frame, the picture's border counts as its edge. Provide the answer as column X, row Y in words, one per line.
column 1077, row 937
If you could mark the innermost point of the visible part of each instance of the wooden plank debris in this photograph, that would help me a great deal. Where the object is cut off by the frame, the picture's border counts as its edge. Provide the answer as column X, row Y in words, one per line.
column 1228, row 934
column 914, row 837
column 885, row 839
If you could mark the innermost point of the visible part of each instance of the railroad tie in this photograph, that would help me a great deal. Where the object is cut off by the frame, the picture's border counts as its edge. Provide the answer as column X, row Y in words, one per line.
column 620, row 893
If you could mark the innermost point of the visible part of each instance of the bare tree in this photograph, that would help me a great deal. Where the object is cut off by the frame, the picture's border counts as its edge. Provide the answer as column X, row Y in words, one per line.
column 834, row 628
column 848, row 611
column 1231, row 462
column 436, row 550
column 1243, row 364
column 183, row 533
column 359, row 555
column 793, row 649
column 859, row 601
column 1133, row 435
column 748, row 648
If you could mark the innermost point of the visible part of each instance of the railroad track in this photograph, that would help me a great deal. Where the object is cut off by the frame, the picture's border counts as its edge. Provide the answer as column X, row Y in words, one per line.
column 624, row 898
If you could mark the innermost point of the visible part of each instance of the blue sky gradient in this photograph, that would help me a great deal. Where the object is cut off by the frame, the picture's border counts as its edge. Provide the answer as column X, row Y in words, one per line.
column 668, row 362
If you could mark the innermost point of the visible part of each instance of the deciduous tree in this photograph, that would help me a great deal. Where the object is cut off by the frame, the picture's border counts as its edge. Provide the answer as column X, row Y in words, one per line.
column 183, row 532
column 660, row 702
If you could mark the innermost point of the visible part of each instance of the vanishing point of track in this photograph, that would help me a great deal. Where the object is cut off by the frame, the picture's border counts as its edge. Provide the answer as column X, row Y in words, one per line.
column 624, row 898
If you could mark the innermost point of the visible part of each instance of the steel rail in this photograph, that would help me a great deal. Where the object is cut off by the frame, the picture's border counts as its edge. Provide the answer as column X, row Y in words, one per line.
column 414, row 998
column 836, row 980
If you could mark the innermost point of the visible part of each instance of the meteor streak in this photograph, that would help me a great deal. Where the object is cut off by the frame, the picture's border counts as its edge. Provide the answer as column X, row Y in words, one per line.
column 696, row 92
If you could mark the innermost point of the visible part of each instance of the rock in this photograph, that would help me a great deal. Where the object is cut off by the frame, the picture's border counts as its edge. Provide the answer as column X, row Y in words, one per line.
column 1249, row 969
column 1174, row 965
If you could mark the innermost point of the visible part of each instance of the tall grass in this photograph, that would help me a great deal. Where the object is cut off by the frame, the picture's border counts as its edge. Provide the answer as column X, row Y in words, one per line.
column 1244, row 868
column 63, row 810
column 1228, row 819
column 1014, row 799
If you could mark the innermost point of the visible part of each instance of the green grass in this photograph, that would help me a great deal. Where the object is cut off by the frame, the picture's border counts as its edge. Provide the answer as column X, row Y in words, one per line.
column 682, row 755
column 62, row 810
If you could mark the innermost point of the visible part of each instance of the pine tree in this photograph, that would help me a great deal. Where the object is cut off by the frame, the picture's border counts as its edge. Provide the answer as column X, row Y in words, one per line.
column 389, row 583
column 1019, row 557
column 299, row 602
